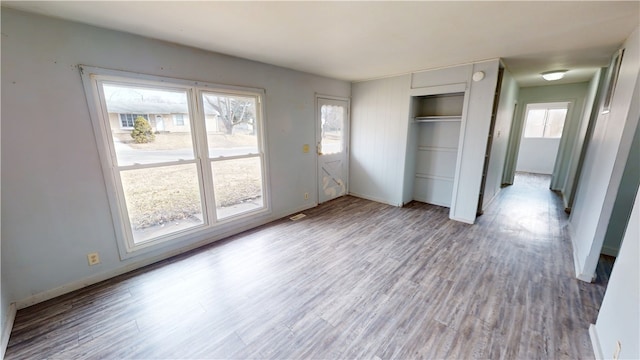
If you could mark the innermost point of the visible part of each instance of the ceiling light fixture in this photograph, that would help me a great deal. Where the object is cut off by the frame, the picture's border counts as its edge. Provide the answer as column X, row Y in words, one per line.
column 553, row 75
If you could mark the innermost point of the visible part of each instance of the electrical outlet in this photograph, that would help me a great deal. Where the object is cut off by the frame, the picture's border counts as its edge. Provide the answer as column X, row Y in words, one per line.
column 93, row 258
column 306, row 196
column 616, row 353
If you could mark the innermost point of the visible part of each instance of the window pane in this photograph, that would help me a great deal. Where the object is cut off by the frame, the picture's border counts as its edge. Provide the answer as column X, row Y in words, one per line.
column 162, row 200
column 237, row 185
column 178, row 119
column 555, row 123
column 231, row 124
column 154, row 139
column 332, row 119
column 534, row 123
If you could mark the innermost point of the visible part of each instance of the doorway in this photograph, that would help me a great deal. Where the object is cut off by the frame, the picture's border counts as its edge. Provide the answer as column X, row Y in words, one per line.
column 540, row 139
column 332, row 118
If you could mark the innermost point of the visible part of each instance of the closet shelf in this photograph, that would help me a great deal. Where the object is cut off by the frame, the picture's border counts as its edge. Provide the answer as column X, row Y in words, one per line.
column 438, row 118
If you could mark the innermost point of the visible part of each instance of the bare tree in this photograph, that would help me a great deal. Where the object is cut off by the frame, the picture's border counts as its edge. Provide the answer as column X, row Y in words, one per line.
column 232, row 110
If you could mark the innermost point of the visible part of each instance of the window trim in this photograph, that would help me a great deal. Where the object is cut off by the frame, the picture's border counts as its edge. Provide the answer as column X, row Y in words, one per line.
column 92, row 78
column 175, row 120
column 130, row 127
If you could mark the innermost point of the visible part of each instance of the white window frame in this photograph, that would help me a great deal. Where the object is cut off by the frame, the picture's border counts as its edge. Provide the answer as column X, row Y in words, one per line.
column 93, row 79
column 546, row 107
column 175, row 119
column 130, row 127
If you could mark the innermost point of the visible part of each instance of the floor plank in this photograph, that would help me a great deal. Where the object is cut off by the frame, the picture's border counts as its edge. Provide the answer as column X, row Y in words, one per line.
column 353, row 279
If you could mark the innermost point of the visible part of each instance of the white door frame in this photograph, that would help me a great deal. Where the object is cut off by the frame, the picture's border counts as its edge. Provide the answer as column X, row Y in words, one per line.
column 347, row 139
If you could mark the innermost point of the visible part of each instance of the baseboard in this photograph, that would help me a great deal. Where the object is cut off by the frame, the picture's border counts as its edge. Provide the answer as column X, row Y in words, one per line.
column 565, row 202
column 94, row 279
column 576, row 260
column 595, row 342
column 466, row 221
column 6, row 329
column 485, row 206
column 372, row 198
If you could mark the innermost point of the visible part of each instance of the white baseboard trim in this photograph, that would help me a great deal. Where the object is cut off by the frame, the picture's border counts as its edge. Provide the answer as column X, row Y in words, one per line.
column 466, row 221
column 595, row 342
column 576, row 259
column 491, row 200
column 565, row 201
column 6, row 329
column 373, row 198
column 94, row 279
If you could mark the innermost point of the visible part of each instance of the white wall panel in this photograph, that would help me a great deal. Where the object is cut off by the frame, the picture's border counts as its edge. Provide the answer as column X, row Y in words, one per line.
column 437, row 162
column 537, row 155
column 619, row 315
column 576, row 156
column 504, row 118
column 474, row 132
column 379, row 124
column 439, row 77
column 433, row 191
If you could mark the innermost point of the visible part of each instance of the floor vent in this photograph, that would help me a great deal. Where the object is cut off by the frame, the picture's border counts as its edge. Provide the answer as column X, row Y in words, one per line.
column 297, row 217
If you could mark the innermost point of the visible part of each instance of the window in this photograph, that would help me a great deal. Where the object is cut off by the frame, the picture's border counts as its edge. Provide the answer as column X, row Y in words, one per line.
column 332, row 123
column 545, row 120
column 178, row 119
column 233, row 152
column 168, row 186
column 127, row 120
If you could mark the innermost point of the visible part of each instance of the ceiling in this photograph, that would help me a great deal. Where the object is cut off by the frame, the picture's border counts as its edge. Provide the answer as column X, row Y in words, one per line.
column 363, row 40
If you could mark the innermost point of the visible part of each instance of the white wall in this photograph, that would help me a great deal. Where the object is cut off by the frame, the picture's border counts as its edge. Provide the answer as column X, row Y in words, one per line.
column 624, row 199
column 576, row 157
column 380, row 113
column 537, row 155
column 6, row 321
column 54, row 201
column 504, row 118
column 604, row 164
column 619, row 315
column 476, row 131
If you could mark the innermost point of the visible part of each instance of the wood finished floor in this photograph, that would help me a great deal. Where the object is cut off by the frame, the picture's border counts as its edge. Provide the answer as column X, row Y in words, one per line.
column 354, row 279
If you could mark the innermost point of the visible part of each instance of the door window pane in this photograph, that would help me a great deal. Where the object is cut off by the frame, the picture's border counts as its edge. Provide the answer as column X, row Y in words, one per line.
column 231, row 124
column 162, row 200
column 144, row 139
column 237, row 186
column 332, row 123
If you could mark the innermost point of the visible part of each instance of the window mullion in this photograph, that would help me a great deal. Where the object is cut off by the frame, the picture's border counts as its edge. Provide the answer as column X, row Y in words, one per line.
column 202, row 153
column 546, row 123
column 154, row 165
column 122, row 208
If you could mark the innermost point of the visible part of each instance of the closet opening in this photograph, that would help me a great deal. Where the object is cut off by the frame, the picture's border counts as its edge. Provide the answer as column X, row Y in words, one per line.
column 437, row 120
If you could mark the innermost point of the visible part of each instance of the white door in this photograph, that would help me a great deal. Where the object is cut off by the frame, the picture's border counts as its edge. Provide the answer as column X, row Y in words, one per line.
column 159, row 123
column 333, row 144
